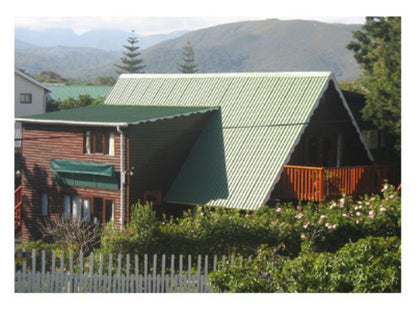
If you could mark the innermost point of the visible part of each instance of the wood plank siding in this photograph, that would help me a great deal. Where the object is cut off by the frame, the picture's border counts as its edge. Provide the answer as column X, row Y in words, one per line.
column 40, row 144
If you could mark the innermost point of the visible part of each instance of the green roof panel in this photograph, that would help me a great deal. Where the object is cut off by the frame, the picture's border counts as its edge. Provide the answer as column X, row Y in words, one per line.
column 239, row 155
column 114, row 114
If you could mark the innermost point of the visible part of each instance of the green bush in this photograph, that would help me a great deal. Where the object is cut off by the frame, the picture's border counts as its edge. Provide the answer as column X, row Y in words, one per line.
column 321, row 228
column 371, row 264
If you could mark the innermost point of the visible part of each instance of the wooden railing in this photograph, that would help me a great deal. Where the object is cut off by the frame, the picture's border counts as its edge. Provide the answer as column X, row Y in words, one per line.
column 319, row 183
column 18, row 209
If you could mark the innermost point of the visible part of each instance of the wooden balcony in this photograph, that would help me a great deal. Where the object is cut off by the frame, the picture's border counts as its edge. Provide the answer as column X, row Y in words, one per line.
column 18, row 209
column 320, row 183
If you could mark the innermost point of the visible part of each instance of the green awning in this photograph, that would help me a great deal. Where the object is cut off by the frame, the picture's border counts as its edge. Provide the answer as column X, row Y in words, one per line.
column 84, row 174
column 91, row 168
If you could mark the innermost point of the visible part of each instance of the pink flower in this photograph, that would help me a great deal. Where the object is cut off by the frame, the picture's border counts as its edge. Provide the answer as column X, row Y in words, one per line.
column 382, row 209
column 298, row 216
column 334, row 226
column 345, row 215
column 299, row 207
column 328, row 225
column 372, row 214
column 279, row 209
column 305, row 226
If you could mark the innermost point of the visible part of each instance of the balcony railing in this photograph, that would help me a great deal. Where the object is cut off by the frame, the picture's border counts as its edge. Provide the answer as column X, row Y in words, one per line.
column 320, row 183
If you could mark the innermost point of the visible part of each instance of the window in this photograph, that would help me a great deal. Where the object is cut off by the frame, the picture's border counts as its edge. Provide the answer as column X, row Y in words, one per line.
column 25, row 98
column 44, row 204
column 154, row 197
column 374, row 139
column 97, row 142
column 96, row 209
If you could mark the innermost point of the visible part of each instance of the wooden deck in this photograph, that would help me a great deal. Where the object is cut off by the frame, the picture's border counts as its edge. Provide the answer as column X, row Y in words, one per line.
column 320, row 183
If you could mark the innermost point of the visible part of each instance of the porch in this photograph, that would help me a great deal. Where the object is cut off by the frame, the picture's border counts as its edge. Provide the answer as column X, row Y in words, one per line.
column 322, row 183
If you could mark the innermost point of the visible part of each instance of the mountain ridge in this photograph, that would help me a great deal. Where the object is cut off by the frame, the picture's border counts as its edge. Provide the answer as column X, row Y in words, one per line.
column 262, row 46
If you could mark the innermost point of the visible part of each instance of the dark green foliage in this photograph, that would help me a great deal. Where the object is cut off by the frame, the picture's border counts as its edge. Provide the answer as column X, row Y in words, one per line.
column 50, row 77
column 371, row 264
column 287, row 229
column 105, row 81
column 82, row 101
column 377, row 49
column 131, row 63
column 188, row 66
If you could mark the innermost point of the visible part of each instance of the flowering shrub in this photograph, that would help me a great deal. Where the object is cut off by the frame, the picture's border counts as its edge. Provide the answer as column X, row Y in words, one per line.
column 324, row 227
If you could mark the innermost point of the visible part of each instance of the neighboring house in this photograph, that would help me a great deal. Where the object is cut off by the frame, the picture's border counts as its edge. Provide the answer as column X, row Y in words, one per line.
column 236, row 140
column 64, row 92
column 29, row 98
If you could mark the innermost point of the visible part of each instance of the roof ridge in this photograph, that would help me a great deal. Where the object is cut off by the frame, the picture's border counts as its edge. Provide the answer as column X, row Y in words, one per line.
column 235, row 74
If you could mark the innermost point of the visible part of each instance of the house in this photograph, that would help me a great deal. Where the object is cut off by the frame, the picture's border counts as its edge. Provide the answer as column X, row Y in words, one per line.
column 29, row 98
column 238, row 140
column 379, row 142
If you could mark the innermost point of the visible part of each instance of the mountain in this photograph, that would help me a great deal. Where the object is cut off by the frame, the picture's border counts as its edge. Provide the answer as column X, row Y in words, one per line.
column 109, row 40
column 267, row 45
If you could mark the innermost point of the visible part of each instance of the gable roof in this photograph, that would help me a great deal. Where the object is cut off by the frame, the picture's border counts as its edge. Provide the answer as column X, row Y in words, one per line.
column 113, row 115
column 35, row 82
column 238, row 158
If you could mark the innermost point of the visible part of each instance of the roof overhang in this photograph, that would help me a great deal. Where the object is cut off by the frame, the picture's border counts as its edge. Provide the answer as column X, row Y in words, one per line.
column 110, row 124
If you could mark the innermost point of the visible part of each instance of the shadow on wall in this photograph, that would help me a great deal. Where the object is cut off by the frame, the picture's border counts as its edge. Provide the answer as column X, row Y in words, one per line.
column 35, row 182
column 203, row 176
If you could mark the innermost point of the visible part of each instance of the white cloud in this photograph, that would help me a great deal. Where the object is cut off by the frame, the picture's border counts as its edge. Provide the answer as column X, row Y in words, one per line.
column 147, row 25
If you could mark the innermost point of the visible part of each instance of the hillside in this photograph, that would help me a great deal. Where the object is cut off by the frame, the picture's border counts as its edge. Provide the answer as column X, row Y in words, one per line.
column 268, row 45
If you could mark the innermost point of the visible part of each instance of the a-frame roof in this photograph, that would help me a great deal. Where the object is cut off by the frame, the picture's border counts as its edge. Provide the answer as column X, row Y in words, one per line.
column 240, row 154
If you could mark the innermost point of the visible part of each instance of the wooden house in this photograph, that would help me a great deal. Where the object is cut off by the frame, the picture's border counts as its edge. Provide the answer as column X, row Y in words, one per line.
column 238, row 140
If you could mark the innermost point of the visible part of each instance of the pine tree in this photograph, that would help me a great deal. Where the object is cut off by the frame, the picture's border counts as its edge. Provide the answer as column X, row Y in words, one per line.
column 131, row 63
column 189, row 66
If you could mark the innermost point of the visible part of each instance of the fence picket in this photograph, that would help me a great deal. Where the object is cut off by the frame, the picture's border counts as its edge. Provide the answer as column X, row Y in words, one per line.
column 153, row 277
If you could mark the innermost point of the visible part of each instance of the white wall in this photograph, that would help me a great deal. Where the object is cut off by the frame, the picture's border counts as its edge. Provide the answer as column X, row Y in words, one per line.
column 38, row 105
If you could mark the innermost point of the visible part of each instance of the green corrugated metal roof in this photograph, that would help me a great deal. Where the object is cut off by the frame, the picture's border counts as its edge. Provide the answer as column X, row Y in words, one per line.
column 64, row 92
column 239, row 155
column 113, row 114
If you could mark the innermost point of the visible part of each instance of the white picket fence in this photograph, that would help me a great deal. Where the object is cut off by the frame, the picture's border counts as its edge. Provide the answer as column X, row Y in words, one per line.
column 102, row 274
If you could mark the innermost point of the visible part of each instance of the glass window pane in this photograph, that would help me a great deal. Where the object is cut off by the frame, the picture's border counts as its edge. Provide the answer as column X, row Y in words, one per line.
column 108, row 210
column 98, row 210
column 44, row 204
column 86, row 213
column 67, row 207
column 76, row 208
column 99, row 143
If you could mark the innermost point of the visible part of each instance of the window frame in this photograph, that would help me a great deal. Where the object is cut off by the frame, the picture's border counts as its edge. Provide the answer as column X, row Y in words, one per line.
column 107, row 142
column 91, row 208
column 26, row 98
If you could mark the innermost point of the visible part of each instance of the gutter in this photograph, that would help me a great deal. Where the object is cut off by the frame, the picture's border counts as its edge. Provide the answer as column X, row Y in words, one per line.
column 122, row 176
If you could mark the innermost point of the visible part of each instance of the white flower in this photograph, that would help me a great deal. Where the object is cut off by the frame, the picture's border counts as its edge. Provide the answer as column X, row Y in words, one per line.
column 358, row 213
column 372, row 214
column 298, row 216
column 324, row 217
column 382, row 208
column 334, row 226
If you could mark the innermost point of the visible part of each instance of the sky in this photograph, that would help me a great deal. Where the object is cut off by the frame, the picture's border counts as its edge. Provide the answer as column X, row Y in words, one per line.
column 148, row 25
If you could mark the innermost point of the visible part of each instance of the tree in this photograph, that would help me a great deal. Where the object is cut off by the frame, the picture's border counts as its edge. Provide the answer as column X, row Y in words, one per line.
column 377, row 49
column 131, row 61
column 49, row 76
column 189, row 66
column 105, row 81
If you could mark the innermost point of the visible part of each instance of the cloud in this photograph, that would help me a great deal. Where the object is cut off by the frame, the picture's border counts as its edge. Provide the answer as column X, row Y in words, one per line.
column 147, row 25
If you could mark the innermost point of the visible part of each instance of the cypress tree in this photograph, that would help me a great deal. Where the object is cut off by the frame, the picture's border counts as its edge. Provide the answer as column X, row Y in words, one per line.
column 131, row 63
column 189, row 66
